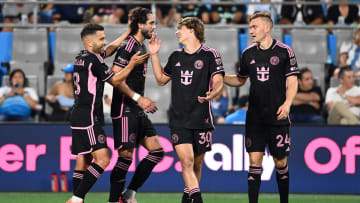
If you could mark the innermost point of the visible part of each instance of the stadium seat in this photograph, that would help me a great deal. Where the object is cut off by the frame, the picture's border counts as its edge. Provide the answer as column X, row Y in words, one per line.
column 227, row 45
column 68, row 45
column 310, row 46
column 30, row 51
column 161, row 95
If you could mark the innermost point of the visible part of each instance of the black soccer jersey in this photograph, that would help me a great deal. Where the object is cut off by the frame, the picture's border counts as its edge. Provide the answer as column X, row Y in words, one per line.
column 267, row 70
column 135, row 80
column 90, row 73
column 191, row 77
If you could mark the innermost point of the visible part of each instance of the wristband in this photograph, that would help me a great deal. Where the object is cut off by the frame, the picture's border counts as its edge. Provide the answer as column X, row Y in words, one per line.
column 136, row 97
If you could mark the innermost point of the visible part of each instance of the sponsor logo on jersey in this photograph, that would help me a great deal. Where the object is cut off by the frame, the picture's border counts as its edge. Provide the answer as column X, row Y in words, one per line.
column 252, row 61
column 178, row 64
column 263, row 74
column 186, row 77
column 293, row 61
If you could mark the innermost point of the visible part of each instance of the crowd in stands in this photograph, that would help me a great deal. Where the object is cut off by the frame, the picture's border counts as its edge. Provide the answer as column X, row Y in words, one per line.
column 168, row 14
column 340, row 105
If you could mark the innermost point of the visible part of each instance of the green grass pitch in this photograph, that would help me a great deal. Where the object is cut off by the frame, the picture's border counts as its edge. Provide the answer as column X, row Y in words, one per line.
column 101, row 197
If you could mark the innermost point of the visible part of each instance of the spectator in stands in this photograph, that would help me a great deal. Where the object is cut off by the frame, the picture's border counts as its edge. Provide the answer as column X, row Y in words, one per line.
column 219, row 106
column 69, row 13
column 274, row 10
column 342, row 14
column 192, row 10
column 301, row 14
column 46, row 11
column 239, row 116
column 112, row 14
column 17, row 101
column 13, row 13
column 230, row 14
column 350, row 54
column 165, row 14
column 307, row 105
column 343, row 101
column 61, row 96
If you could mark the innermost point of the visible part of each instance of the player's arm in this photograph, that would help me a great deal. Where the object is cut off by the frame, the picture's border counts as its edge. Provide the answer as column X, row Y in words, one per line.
column 234, row 80
column 121, row 75
column 51, row 96
column 218, row 81
column 110, row 50
column 291, row 91
column 145, row 103
column 154, row 47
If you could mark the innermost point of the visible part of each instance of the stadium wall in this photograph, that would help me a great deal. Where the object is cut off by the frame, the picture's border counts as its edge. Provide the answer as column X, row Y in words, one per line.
column 323, row 160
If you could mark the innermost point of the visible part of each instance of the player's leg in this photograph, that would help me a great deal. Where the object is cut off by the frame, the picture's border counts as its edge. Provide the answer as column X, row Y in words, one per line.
column 198, row 162
column 118, row 174
column 280, row 150
column 255, row 145
column 92, row 141
column 185, row 153
column 124, row 141
column 150, row 141
column 82, row 163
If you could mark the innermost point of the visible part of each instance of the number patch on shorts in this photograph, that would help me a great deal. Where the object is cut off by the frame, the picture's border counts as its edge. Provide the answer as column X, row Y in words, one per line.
column 281, row 141
column 205, row 137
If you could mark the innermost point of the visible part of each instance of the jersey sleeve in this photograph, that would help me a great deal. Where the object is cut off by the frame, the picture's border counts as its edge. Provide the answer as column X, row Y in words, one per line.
column 243, row 70
column 100, row 69
column 216, row 64
column 291, row 67
column 122, row 57
column 168, row 67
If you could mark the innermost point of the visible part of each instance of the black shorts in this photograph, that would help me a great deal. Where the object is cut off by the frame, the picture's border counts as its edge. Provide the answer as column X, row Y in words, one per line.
column 276, row 137
column 85, row 141
column 130, row 129
column 201, row 139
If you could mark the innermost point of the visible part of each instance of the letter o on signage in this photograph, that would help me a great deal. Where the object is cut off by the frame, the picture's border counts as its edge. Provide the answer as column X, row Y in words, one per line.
column 313, row 164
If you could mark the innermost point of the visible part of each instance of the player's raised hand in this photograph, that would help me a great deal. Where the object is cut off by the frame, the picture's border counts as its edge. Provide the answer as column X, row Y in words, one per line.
column 283, row 111
column 147, row 105
column 137, row 59
column 154, row 44
column 205, row 99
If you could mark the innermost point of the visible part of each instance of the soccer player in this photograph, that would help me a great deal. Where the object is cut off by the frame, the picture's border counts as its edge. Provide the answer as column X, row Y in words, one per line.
column 197, row 74
column 272, row 69
column 87, row 119
column 130, row 123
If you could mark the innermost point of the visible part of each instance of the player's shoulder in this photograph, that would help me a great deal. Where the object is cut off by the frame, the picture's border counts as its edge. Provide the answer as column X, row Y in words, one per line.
column 250, row 48
column 129, row 44
column 280, row 46
column 210, row 51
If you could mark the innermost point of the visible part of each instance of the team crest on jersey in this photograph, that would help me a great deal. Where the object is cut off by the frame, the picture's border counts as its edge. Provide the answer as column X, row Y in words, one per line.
column 186, row 77
column 132, row 138
column 292, row 61
column 199, row 64
column 175, row 138
column 101, row 139
column 274, row 60
column 263, row 74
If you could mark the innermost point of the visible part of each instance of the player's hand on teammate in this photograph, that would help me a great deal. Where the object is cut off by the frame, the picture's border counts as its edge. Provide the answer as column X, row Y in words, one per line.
column 147, row 105
column 154, row 44
column 283, row 111
column 205, row 99
column 137, row 59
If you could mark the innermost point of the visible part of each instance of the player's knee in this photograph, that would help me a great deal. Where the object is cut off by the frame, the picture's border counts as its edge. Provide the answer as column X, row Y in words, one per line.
column 187, row 162
column 157, row 155
column 280, row 163
column 103, row 162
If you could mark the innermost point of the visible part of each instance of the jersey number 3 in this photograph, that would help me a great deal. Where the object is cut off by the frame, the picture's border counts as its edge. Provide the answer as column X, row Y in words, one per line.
column 76, row 78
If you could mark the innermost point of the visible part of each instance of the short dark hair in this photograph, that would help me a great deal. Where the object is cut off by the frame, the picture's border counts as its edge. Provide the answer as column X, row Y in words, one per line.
column 90, row 29
column 302, row 71
column 18, row 70
column 343, row 69
column 196, row 24
column 137, row 15
column 263, row 15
